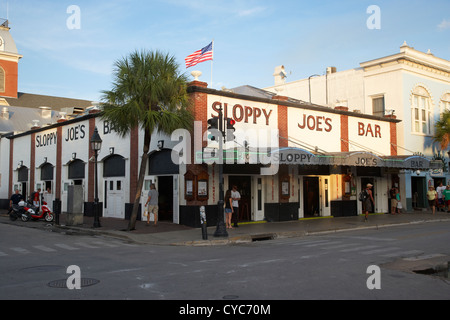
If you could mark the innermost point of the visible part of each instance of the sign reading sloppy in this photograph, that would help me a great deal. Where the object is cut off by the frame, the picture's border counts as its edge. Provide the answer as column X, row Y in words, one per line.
column 241, row 113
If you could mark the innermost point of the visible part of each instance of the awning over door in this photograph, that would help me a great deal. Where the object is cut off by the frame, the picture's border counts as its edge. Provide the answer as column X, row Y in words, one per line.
column 296, row 156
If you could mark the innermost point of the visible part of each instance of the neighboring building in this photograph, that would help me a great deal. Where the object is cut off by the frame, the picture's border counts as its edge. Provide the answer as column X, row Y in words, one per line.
column 412, row 85
column 20, row 112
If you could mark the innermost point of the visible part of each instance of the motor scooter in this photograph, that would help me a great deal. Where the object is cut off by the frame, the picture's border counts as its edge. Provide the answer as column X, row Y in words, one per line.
column 45, row 213
column 21, row 211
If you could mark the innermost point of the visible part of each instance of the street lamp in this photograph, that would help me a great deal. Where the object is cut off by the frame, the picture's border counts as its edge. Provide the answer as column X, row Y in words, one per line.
column 96, row 145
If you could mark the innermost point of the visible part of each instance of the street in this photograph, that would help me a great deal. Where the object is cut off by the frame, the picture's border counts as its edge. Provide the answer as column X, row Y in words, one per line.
column 34, row 265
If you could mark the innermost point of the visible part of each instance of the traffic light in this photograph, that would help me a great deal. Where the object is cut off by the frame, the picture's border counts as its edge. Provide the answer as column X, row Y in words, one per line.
column 213, row 125
column 230, row 129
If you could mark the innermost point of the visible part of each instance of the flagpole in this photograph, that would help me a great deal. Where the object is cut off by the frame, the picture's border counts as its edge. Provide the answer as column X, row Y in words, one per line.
column 212, row 60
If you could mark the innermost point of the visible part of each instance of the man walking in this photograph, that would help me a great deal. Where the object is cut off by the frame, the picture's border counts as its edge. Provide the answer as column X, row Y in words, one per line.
column 152, row 203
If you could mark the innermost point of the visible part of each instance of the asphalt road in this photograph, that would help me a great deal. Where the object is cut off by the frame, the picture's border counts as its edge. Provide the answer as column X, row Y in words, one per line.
column 34, row 265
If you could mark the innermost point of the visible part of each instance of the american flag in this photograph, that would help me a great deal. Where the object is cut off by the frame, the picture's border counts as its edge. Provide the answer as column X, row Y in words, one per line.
column 201, row 55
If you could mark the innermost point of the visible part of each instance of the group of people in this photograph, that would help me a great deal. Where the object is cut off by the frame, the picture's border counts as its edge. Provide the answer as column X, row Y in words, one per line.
column 439, row 198
column 232, row 198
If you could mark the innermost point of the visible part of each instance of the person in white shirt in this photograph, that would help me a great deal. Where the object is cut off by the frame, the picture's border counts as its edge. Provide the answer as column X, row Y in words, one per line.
column 441, row 203
column 236, row 196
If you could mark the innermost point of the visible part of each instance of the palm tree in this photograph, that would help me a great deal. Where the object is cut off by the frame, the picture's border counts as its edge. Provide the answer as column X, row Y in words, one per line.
column 442, row 134
column 148, row 92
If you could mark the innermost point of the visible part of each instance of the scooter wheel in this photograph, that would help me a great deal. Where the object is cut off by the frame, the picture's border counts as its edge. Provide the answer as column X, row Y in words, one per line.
column 12, row 217
column 48, row 217
column 26, row 217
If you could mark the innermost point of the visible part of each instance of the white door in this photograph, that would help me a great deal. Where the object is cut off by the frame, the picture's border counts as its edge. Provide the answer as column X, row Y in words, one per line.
column 325, row 203
column 114, row 204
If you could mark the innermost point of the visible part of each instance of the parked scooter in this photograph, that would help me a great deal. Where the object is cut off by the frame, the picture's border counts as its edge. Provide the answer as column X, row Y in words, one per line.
column 21, row 211
column 45, row 213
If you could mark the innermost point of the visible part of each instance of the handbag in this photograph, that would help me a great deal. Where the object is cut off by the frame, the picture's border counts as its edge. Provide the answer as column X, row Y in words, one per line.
column 145, row 213
column 399, row 205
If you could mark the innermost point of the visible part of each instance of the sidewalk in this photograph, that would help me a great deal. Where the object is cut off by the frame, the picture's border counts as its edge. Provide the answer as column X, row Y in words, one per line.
column 167, row 233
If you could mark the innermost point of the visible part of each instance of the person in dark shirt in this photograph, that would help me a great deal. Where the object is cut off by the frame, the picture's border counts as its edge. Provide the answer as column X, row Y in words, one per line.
column 15, row 198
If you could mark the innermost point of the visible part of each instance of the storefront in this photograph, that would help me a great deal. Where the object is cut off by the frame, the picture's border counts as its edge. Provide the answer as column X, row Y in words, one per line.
column 289, row 160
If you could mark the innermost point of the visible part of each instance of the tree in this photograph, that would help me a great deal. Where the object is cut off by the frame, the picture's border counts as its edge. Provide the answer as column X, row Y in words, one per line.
column 147, row 92
column 442, row 134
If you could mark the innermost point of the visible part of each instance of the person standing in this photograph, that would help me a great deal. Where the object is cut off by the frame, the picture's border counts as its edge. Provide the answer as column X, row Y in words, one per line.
column 36, row 199
column 368, row 201
column 152, row 203
column 228, row 209
column 432, row 198
column 236, row 196
column 394, row 202
column 441, row 201
column 399, row 203
column 446, row 197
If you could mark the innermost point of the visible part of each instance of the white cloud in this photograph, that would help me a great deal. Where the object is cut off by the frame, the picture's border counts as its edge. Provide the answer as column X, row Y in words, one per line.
column 445, row 24
column 251, row 12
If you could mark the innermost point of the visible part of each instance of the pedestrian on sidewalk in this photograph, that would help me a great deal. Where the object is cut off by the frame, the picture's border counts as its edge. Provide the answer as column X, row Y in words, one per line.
column 399, row 203
column 368, row 201
column 236, row 196
column 441, row 201
column 393, row 194
column 152, row 203
column 228, row 209
column 446, row 196
column 432, row 198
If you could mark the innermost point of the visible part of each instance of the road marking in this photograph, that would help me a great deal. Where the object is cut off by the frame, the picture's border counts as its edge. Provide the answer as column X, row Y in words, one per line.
column 321, row 243
column 86, row 245
column 346, row 245
column 65, row 246
column 20, row 250
column 44, row 248
column 402, row 254
column 2, row 254
column 380, row 250
column 359, row 248
column 424, row 257
column 100, row 243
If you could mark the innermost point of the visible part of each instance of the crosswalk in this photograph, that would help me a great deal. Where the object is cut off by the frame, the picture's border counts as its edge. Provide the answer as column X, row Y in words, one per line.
column 369, row 247
column 60, row 247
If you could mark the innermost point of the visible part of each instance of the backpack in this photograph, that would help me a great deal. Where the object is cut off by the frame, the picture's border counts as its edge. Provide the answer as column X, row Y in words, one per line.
column 363, row 195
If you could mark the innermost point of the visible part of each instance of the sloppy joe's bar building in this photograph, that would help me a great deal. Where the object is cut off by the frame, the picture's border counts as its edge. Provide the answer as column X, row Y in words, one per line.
column 290, row 160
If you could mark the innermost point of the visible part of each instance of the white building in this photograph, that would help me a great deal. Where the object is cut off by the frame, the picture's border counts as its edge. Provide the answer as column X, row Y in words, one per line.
column 412, row 85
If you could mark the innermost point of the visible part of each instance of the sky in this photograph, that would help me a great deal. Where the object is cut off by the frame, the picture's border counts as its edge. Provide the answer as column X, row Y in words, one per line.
column 69, row 47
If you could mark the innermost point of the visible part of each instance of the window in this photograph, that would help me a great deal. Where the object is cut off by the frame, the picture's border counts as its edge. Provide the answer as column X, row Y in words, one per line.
column 421, row 111
column 445, row 102
column 2, row 80
column 378, row 106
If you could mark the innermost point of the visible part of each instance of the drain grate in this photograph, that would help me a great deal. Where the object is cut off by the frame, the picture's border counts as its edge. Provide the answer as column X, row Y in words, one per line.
column 85, row 282
column 262, row 237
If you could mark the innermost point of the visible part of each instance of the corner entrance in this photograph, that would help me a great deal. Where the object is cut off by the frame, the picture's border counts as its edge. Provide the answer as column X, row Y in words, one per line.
column 311, row 203
column 244, row 186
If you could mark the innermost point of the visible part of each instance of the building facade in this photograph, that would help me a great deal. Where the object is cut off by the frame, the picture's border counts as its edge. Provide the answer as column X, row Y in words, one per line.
column 412, row 85
column 289, row 160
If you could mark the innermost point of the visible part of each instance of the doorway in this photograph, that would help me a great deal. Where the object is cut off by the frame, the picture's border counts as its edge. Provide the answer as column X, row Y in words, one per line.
column 244, row 186
column 165, row 202
column 418, row 190
column 114, row 198
column 311, row 203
